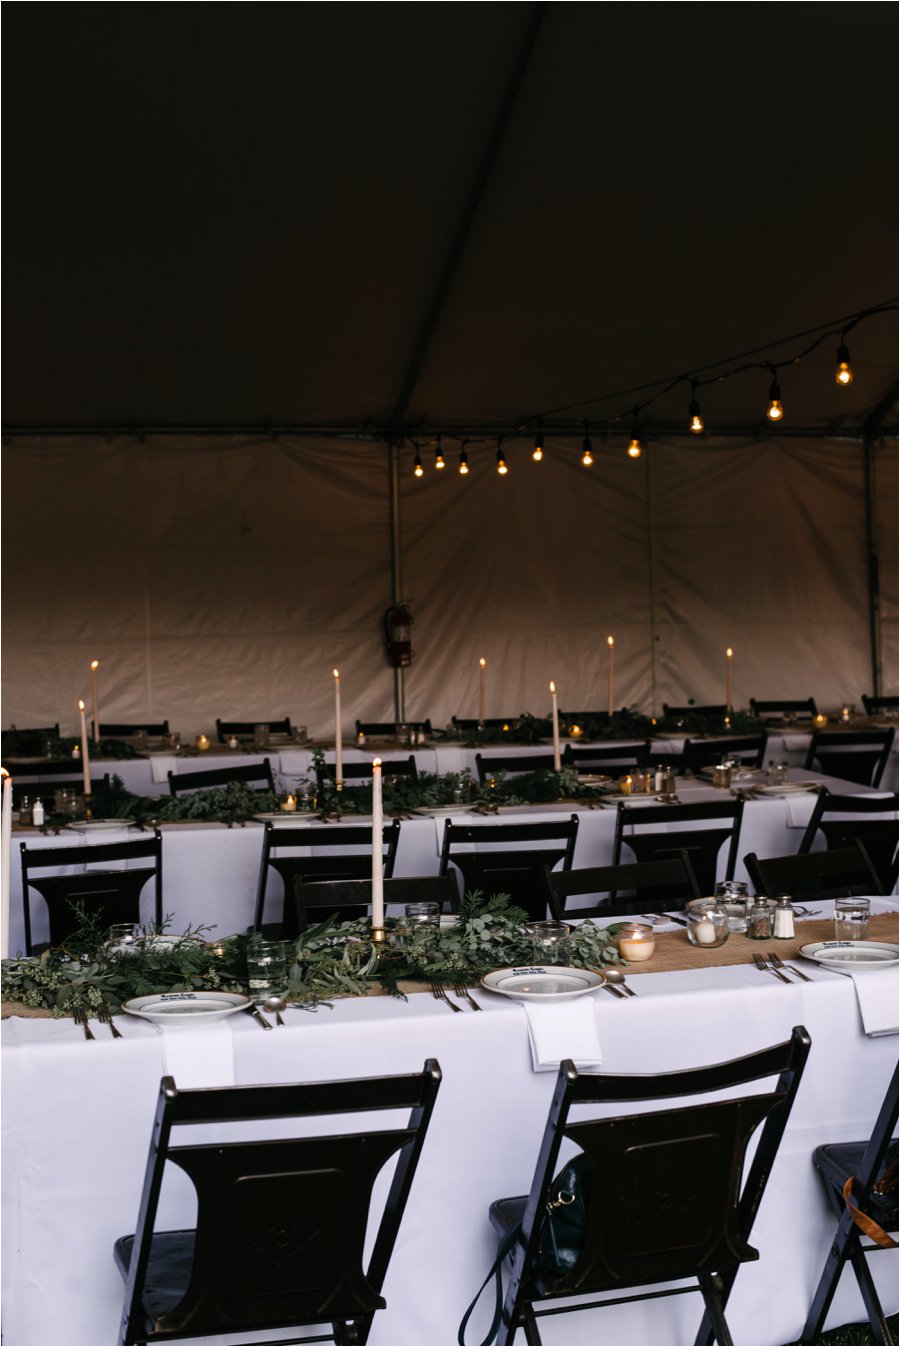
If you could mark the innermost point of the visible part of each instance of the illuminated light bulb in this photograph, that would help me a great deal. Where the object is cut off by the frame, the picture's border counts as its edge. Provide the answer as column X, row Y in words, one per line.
column 635, row 445
column 537, row 452
column 501, row 462
column 463, row 463
column 843, row 375
column 417, row 465
column 587, row 451
column 696, row 426
column 439, row 459
column 775, row 411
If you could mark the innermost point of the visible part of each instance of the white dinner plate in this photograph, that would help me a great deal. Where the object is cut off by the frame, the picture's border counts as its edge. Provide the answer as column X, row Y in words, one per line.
column 286, row 816
column 633, row 799
column 789, row 788
column 852, row 955
column 101, row 825
column 593, row 779
column 186, row 1007
column 443, row 808
column 542, row 982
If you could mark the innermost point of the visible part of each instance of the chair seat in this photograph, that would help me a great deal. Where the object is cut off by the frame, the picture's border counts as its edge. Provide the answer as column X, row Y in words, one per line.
column 168, row 1271
column 838, row 1162
column 507, row 1212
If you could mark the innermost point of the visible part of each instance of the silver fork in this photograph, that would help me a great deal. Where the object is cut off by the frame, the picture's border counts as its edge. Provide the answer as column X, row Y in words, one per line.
column 462, row 991
column 81, row 1018
column 764, row 968
column 440, row 994
column 105, row 1018
column 776, row 963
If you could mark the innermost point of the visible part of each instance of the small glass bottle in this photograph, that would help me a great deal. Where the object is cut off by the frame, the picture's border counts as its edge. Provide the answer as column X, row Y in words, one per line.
column 759, row 923
column 25, row 809
column 783, row 921
column 37, row 813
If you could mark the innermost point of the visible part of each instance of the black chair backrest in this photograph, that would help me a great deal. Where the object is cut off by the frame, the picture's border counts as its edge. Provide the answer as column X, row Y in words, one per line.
column 851, row 755
column 362, row 771
column 815, row 874
column 317, row 899
column 638, row 829
column 507, row 857
column 875, row 705
column 45, row 787
column 750, row 748
column 581, row 717
column 391, row 727
column 157, row 728
column 48, row 767
column 621, row 890
column 515, row 763
column 255, row 774
column 692, row 1153
column 49, row 730
column 492, row 723
column 307, row 1268
column 112, row 894
column 614, row 759
column 801, row 709
column 684, row 712
column 332, row 860
column 246, row 729
column 845, row 819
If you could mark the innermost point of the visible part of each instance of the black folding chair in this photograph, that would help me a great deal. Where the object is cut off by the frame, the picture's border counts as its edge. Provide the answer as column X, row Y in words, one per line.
column 610, row 759
column 507, row 857
column 285, row 851
column 844, row 819
column 715, row 825
column 492, row 723
column 257, row 775
column 317, row 899
column 802, row 709
column 621, row 890
column 750, row 748
column 362, row 771
column 112, row 895
column 875, row 706
column 44, row 787
column 281, row 1223
column 665, row 1200
column 851, row 755
column 246, row 729
column 389, row 728
column 860, row 1180
column 675, row 713
column 153, row 729
column 816, row 874
column 512, row 764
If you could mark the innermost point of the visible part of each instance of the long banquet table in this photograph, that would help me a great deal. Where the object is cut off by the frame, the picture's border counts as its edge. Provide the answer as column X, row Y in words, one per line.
column 77, row 1117
column 210, row 871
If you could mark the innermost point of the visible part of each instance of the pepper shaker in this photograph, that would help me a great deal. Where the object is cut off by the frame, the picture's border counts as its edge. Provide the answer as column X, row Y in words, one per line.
column 759, row 923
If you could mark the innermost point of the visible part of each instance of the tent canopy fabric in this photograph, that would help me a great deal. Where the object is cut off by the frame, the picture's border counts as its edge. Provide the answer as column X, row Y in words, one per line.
column 250, row 248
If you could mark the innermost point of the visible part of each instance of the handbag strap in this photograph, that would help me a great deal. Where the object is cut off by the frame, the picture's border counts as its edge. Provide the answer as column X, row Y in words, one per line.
column 864, row 1222
column 503, row 1249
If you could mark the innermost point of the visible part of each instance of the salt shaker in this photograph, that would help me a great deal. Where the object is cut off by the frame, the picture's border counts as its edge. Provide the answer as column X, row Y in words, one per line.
column 37, row 813
column 783, row 924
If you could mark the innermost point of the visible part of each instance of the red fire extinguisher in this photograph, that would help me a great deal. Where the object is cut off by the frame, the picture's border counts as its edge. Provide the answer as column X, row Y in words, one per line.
column 398, row 622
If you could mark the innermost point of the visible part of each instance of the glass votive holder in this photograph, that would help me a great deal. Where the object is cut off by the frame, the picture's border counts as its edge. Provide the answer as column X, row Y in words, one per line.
column 422, row 918
column 266, row 967
column 233, row 741
column 777, row 773
column 288, row 803
column 299, row 734
column 260, row 736
column 636, row 941
column 732, row 894
column 851, row 918
column 549, row 940
column 707, row 926
column 123, row 937
column 626, row 784
column 721, row 777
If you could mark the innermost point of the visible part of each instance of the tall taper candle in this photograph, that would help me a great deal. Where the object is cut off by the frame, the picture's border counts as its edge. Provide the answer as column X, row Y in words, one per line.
column 338, row 742
column 377, row 849
column 95, row 705
column 554, row 702
column 482, row 680
column 5, row 862
column 85, row 757
column 611, row 642
column 729, row 680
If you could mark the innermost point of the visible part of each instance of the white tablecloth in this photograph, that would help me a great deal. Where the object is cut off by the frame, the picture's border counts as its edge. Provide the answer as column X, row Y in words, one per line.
column 210, row 871
column 77, row 1118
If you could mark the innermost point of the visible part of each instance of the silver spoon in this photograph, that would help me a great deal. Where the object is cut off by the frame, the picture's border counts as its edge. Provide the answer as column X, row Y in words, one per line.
column 617, row 978
column 276, row 1004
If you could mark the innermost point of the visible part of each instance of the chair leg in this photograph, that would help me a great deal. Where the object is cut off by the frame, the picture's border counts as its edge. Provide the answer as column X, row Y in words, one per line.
column 530, row 1325
column 877, row 1321
column 712, row 1286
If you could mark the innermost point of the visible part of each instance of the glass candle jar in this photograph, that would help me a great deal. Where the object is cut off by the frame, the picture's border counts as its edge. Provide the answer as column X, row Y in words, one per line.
column 707, row 926
column 636, row 941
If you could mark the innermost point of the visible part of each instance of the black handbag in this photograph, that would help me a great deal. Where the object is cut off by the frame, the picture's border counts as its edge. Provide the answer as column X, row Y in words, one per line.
column 560, row 1244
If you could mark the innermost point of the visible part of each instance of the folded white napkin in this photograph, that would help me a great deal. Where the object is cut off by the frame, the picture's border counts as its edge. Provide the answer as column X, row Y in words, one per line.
column 877, row 994
column 799, row 808
column 564, row 1029
column 198, row 1058
column 161, row 764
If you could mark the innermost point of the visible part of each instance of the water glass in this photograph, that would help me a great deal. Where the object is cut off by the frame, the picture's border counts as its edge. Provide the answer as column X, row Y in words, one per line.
column 732, row 894
column 851, row 918
column 721, row 777
column 422, row 917
column 777, row 773
column 266, row 967
column 549, row 941
column 260, row 736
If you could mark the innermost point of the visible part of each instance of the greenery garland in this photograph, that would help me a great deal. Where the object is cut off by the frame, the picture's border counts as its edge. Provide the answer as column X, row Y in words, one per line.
column 88, row 977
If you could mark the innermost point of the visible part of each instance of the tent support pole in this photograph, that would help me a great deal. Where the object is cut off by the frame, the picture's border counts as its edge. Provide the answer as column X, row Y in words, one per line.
column 873, row 566
column 396, row 566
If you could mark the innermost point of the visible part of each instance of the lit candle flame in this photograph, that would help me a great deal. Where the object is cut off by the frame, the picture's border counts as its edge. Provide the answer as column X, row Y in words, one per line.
column 3, row 771
column 80, row 704
column 610, row 641
column 95, row 664
column 483, row 663
column 729, row 653
column 552, row 686
column 376, row 762
column 336, row 674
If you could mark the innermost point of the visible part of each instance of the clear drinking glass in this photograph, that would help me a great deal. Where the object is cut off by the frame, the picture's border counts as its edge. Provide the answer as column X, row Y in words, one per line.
column 549, row 941
column 777, row 773
column 422, row 917
column 851, row 918
column 266, row 967
column 260, row 736
column 733, row 896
